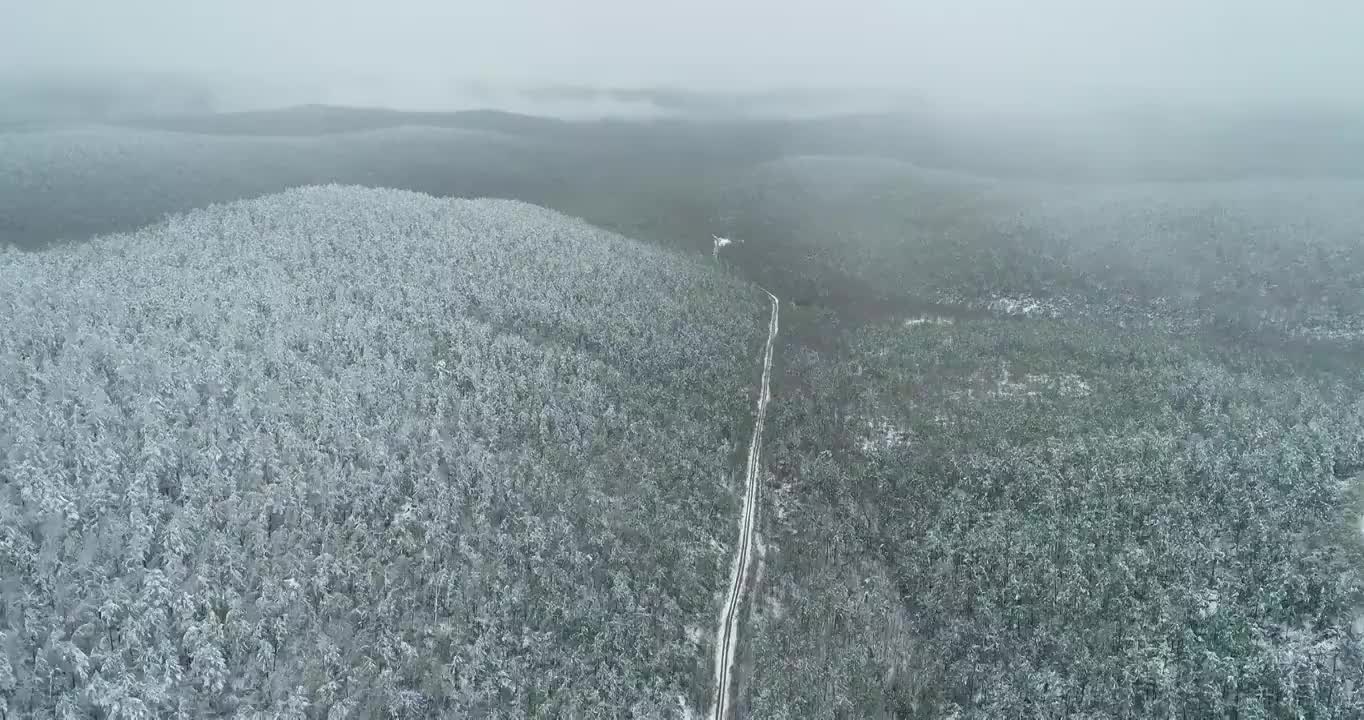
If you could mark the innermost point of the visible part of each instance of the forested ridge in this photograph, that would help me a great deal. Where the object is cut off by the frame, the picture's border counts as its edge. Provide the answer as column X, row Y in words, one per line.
column 72, row 183
column 358, row 453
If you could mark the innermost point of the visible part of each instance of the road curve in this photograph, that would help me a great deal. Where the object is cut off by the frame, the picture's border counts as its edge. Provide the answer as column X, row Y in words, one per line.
column 726, row 639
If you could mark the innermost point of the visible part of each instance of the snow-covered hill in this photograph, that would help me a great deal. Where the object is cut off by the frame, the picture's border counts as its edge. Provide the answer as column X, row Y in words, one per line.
column 341, row 448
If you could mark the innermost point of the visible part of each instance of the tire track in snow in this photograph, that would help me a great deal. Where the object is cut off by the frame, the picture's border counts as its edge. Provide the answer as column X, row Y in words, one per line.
column 726, row 639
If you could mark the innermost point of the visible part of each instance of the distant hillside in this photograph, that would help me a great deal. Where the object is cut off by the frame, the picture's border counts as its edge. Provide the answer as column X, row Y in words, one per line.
column 326, row 119
column 1273, row 254
column 367, row 452
column 69, row 184
column 662, row 179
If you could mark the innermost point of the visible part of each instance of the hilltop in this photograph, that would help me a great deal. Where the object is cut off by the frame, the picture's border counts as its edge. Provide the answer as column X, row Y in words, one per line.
column 367, row 450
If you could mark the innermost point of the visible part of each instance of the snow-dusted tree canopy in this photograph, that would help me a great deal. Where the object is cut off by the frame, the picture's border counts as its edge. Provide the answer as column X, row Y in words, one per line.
column 340, row 452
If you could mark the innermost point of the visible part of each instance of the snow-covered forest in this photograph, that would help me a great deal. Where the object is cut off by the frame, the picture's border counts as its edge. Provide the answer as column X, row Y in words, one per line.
column 341, row 452
column 1042, row 442
column 1057, row 517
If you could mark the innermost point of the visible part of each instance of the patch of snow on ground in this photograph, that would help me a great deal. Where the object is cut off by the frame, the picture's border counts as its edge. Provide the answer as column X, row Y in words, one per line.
column 1342, row 332
column 1209, row 601
column 1024, row 306
column 774, row 609
column 882, row 434
column 781, row 491
column 1004, row 385
column 770, row 608
column 687, row 712
column 759, row 544
column 1067, row 385
column 928, row 320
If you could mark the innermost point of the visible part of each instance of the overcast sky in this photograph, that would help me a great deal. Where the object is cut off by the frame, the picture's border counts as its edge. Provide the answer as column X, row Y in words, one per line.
column 973, row 48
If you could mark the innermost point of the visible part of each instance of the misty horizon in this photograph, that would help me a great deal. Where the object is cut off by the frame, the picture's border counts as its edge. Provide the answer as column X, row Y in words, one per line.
column 426, row 56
